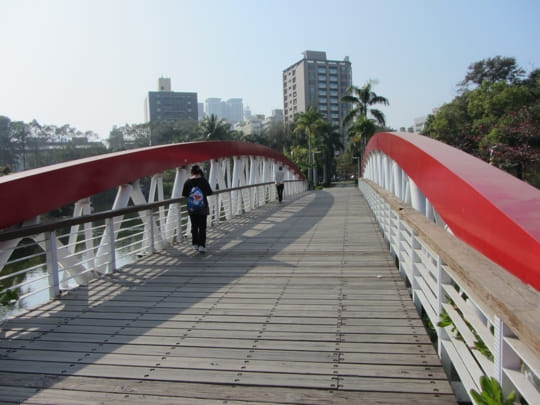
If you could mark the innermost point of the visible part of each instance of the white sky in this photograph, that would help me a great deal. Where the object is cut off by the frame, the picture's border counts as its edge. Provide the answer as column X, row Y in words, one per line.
column 90, row 63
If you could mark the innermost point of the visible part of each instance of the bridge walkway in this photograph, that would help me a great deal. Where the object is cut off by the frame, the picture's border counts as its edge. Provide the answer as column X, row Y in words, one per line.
column 294, row 303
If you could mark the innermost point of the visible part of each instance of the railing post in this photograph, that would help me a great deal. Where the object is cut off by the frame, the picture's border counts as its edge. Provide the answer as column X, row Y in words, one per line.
column 414, row 273
column 442, row 279
column 179, row 231
column 150, row 216
column 52, row 265
column 503, row 356
column 112, row 248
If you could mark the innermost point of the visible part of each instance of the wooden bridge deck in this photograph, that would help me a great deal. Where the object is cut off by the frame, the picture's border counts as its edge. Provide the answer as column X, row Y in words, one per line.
column 295, row 303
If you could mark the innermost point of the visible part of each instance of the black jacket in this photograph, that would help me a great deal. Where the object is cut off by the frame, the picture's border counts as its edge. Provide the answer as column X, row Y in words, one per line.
column 200, row 182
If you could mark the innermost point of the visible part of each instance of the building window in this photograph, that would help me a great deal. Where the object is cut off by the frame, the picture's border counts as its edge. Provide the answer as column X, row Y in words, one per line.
column 322, row 77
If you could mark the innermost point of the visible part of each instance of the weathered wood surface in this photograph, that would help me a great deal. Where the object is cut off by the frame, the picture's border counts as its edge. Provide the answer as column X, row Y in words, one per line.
column 296, row 303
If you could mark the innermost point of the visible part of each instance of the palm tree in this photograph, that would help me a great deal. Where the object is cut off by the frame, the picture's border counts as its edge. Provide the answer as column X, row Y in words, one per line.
column 329, row 144
column 308, row 123
column 213, row 128
column 362, row 120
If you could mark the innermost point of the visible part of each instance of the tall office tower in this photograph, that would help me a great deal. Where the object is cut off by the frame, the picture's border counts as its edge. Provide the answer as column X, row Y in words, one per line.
column 235, row 110
column 167, row 105
column 318, row 82
column 200, row 110
column 231, row 110
column 213, row 106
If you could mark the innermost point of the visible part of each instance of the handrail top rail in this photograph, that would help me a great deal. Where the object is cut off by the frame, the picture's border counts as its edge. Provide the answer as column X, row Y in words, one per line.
column 12, row 233
column 486, row 207
column 33, row 192
column 496, row 290
column 516, row 198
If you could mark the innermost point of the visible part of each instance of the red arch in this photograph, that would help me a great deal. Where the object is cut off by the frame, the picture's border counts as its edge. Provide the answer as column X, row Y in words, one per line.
column 492, row 211
column 27, row 194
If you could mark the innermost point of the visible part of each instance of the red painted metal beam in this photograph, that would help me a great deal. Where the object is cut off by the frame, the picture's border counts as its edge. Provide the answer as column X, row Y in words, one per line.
column 25, row 195
column 492, row 211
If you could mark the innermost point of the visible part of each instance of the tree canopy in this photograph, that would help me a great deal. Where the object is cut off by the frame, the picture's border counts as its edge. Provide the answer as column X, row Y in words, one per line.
column 498, row 120
column 492, row 70
column 363, row 119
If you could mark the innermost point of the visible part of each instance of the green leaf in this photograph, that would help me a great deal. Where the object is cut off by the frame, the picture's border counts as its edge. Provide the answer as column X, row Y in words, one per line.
column 491, row 393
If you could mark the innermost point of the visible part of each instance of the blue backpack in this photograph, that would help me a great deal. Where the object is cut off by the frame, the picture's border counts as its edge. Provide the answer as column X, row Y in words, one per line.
column 195, row 201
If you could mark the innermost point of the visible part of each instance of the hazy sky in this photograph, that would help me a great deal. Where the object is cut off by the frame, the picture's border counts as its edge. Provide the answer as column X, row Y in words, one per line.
column 90, row 63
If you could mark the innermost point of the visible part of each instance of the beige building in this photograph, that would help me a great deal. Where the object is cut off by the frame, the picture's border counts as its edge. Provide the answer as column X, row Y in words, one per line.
column 316, row 81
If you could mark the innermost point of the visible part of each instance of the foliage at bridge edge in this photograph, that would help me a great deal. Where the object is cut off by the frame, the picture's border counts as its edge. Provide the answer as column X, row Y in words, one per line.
column 495, row 117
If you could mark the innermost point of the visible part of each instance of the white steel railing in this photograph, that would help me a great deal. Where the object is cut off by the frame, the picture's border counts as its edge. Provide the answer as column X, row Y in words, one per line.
column 485, row 319
column 39, row 261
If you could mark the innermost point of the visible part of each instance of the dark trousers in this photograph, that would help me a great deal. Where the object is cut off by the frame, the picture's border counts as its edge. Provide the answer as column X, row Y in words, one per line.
column 279, row 188
column 198, row 229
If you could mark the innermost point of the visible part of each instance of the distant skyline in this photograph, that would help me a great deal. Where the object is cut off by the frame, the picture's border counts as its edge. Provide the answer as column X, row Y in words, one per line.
column 91, row 63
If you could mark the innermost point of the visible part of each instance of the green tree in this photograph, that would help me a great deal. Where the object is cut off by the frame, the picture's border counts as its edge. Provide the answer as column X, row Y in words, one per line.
column 362, row 119
column 130, row 136
column 21, row 133
column 492, row 70
column 276, row 136
column 308, row 124
column 498, row 121
column 452, row 125
column 328, row 143
column 167, row 132
column 213, row 128
column 116, row 140
column 299, row 155
column 8, row 154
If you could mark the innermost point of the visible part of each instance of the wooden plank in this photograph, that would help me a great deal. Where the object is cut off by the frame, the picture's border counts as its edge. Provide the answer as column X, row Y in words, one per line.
column 84, row 386
column 304, row 308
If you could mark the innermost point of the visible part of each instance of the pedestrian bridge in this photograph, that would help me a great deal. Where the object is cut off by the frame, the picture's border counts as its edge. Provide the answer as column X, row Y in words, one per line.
column 344, row 295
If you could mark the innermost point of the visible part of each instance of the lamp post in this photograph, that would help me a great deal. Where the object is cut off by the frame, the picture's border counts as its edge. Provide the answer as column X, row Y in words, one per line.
column 357, row 158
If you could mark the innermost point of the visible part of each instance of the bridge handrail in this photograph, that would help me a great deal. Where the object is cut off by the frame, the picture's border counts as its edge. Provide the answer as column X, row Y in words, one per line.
column 70, row 252
column 486, row 207
column 450, row 280
column 30, row 193
column 21, row 232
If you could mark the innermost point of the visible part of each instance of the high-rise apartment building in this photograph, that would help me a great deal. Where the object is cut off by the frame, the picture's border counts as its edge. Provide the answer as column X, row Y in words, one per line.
column 318, row 82
column 167, row 105
column 231, row 110
column 213, row 106
column 234, row 110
